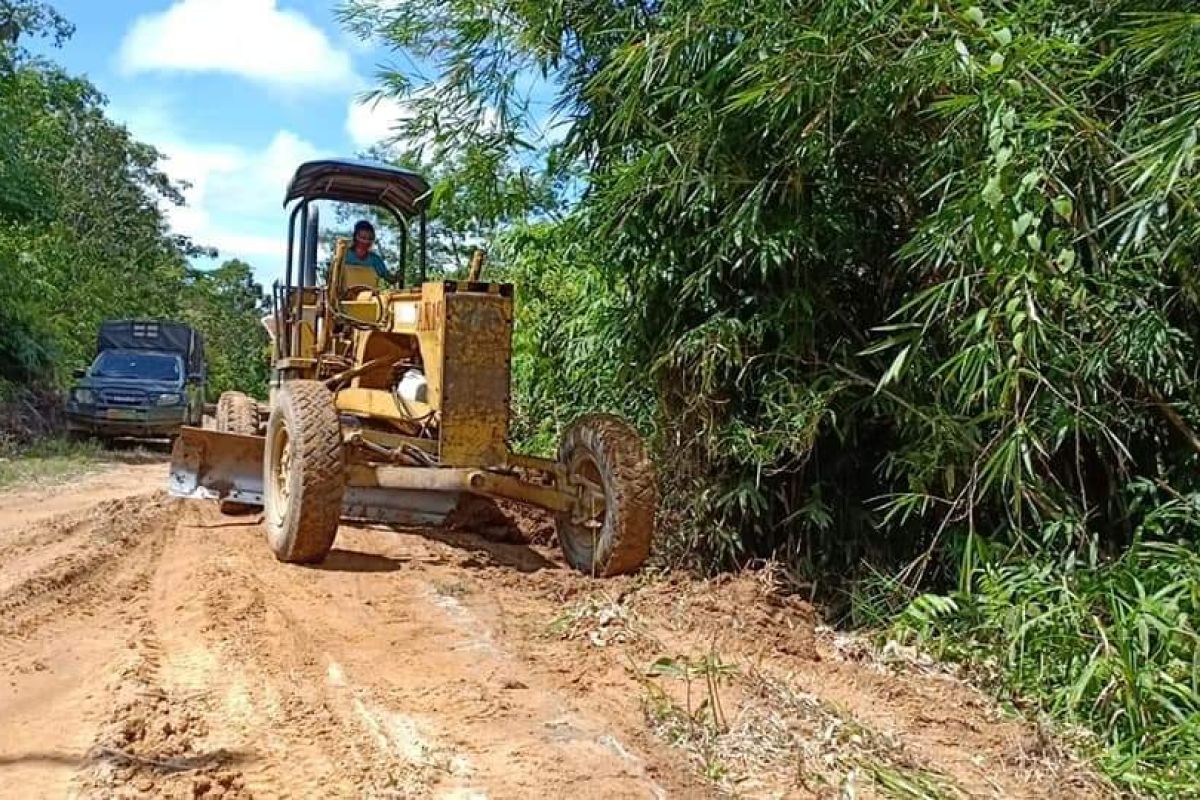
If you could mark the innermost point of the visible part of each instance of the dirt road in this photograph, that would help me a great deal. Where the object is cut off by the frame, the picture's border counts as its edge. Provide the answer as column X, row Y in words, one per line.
column 154, row 648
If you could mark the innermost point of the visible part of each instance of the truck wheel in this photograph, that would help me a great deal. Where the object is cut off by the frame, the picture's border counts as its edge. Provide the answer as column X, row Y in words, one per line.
column 237, row 413
column 303, row 474
column 612, row 537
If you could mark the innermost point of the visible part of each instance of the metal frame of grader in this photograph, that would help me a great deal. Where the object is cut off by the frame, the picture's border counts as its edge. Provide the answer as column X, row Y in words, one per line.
column 391, row 405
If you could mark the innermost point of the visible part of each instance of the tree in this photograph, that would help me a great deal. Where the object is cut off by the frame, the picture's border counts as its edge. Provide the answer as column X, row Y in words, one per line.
column 226, row 305
column 912, row 284
column 83, row 236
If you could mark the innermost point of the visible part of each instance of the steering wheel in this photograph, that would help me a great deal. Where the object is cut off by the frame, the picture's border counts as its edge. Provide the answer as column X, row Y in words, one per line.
column 353, row 290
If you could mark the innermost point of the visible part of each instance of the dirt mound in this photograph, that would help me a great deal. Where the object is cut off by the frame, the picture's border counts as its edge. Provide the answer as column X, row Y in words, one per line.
column 154, row 742
column 742, row 612
column 736, row 609
column 766, row 701
column 149, row 750
column 58, row 566
column 27, row 509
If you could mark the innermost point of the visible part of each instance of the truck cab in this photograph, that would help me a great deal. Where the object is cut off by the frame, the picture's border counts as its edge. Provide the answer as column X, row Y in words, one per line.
column 146, row 381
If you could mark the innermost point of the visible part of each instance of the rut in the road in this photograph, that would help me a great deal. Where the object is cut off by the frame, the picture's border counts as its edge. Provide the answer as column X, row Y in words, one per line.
column 67, row 585
column 150, row 742
column 360, row 679
column 67, row 567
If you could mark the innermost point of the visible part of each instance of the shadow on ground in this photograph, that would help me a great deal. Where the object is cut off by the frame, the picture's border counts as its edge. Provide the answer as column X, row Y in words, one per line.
column 353, row 561
column 487, row 553
column 150, row 761
column 133, row 451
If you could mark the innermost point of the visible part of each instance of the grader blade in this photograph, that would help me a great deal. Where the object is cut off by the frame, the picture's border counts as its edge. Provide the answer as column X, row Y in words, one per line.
column 213, row 465
column 412, row 508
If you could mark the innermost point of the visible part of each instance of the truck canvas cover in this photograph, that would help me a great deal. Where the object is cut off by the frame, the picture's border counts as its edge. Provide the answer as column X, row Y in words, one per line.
column 138, row 334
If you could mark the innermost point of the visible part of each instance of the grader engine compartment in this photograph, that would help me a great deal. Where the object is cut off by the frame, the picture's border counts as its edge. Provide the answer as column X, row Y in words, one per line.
column 435, row 365
column 471, row 330
column 388, row 404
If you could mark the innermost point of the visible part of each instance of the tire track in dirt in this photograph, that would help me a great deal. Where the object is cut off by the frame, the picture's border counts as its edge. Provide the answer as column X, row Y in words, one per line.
column 83, row 561
column 155, row 740
column 397, row 685
column 64, row 583
column 153, row 648
column 551, row 711
column 802, row 704
column 242, row 675
column 26, row 506
column 273, row 691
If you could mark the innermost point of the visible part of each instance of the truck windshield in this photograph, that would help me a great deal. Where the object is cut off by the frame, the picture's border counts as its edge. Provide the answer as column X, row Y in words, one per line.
column 146, row 366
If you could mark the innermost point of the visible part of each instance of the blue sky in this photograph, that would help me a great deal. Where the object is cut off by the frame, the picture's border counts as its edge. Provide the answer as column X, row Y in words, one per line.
column 235, row 93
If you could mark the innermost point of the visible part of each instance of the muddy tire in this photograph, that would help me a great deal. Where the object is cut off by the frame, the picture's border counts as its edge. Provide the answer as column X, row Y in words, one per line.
column 237, row 413
column 303, row 473
column 605, row 451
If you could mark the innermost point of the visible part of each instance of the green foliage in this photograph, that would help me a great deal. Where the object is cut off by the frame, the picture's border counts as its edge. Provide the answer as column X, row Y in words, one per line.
column 713, row 671
column 83, row 237
column 49, row 461
column 566, row 360
column 892, row 227
column 1106, row 643
column 227, row 306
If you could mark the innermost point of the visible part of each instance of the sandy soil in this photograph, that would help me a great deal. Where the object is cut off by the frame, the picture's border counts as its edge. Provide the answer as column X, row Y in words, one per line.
column 26, row 504
column 154, row 648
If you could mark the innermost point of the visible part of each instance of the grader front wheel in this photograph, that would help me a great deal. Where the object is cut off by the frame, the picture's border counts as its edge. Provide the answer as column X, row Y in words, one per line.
column 609, row 532
column 236, row 413
column 303, row 473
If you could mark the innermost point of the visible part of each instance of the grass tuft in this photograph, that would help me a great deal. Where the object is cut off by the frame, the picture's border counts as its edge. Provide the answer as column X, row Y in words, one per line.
column 777, row 736
column 49, row 461
column 1109, row 646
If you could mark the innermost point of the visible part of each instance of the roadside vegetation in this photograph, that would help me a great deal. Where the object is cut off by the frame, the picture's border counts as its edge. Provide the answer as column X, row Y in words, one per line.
column 47, row 462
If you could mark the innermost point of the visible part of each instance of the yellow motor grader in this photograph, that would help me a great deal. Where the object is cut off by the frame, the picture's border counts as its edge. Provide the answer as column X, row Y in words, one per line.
column 391, row 404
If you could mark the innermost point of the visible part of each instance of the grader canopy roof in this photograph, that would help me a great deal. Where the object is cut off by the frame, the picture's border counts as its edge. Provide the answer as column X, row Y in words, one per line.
column 365, row 182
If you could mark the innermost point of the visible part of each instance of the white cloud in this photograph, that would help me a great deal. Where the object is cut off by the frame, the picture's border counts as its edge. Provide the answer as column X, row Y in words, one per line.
column 374, row 121
column 235, row 201
column 265, row 254
column 235, row 197
column 378, row 121
column 250, row 38
column 255, row 181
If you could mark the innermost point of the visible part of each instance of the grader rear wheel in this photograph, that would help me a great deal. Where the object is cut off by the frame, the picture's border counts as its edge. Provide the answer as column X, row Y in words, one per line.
column 236, row 413
column 303, row 473
column 604, row 457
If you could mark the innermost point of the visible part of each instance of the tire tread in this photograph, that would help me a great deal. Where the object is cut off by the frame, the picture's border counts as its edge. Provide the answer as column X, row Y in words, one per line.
column 316, row 443
column 631, row 488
